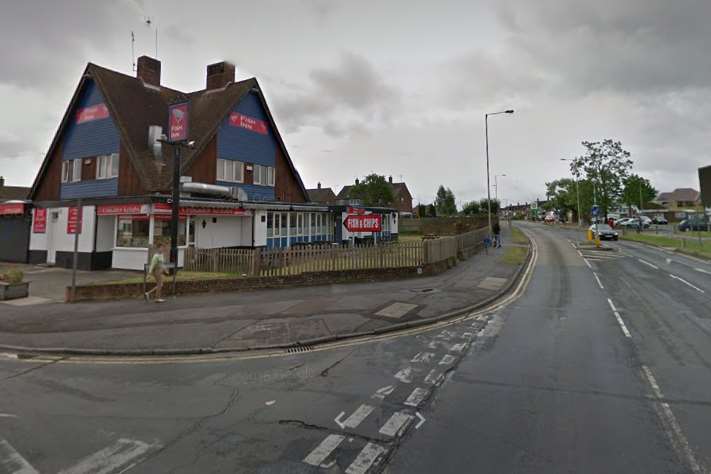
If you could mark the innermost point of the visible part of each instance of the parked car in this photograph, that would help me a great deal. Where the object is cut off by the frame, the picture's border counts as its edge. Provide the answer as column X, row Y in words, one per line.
column 696, row 224
column 633, row 223
column 605, row 231
column 646, row 221
column 660, row 219
column 622, row 221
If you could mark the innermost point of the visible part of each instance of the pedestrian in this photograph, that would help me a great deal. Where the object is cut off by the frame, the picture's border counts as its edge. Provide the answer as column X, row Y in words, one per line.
column 497, row 234
column 157, row 270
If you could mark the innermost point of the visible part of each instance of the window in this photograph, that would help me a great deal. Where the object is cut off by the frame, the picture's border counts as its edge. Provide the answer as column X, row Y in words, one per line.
column 161, row 232
column 71, row 171
column 270, row 224
column 264, row 175
column 132, row 232
column 230, row 170
column 107, row 166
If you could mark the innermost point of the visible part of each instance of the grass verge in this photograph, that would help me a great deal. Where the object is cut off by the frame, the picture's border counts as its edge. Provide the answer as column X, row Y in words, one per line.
column 688, row 246
column 182, row 276
column 515, row 255
column 517, row 236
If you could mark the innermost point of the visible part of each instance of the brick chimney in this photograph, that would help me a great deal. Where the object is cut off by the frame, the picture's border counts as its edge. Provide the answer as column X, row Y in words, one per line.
column 390, row 179
column 148, row 70
column 220, row 74
column 318, row 185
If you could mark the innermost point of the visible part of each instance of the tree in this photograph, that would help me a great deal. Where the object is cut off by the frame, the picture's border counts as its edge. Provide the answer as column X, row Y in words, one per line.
column 638, row 191
column 445, row 202
column 471, row 208
column 431, row 210
column 606, row 165
column 374, row 190
column 484, row 206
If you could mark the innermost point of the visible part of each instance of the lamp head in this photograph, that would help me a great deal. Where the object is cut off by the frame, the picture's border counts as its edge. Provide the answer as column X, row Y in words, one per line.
column 510, row 111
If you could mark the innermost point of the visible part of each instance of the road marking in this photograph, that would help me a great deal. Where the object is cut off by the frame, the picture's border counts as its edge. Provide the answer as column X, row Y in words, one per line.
column 368, row 456
column 416, row 397
column 383, row 392
column 458, row 347
column 467, row 335
column 587, row 263
column 324, row 449
column 580, row 253
column 423, row 357
column 702, row 271
column 447, row 359
column 396, row 424
column 404, row 375
column 111, row 458
column 421, row 422
column 7, row 415
column 11, row 461
column 669, row 261
column 270, row 403
column 433, row 377
column 648, row 264
column 676, row 435
column 446, row 335
column 338, row 419
column 622, row 324
column 358, row 416
column 598, row 281
column 687, row 283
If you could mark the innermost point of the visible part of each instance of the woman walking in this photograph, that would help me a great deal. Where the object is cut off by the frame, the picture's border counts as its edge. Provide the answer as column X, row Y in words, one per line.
column 158, row 270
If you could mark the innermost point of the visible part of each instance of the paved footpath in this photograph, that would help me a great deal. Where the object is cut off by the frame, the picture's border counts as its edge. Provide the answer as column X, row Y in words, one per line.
column 254, row 319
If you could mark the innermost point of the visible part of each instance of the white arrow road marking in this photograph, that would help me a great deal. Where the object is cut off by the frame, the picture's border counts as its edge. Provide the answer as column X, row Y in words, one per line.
column 421, row 422
column 702, row 271
column 323, row 450
column 396, row 424
column 423, row 357
column 447, row 359
column 369, row 455
column 404, row 375
column 383, row 392
column 111, row 457
column 11, row 461
column 416, row 397
column 433, row 378
column 648, row 264
column 687, row 283
column 358, row 416
column 338, row 419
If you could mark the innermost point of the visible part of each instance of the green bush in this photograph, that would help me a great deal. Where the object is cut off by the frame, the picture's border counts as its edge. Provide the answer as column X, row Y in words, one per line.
column 13, row 276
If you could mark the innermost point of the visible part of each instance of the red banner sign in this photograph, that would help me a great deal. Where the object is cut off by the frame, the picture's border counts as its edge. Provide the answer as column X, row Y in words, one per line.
column 250, row 123
column 94, row 112
column 39, row 225
column 12, row 209
column 363, row 223
column 178, row 122
column 121, row 209
column 74, row 220
column 162, row 208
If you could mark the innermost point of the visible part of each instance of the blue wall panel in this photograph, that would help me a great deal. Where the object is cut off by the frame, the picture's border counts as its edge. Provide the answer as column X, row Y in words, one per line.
column 91, row 188
column 236, row 143
column 96, row 137
column 254, row 191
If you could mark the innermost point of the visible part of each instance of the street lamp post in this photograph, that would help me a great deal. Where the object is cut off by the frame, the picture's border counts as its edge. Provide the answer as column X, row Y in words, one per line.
column 488, row 181
column 577, row 192
column 496, row 186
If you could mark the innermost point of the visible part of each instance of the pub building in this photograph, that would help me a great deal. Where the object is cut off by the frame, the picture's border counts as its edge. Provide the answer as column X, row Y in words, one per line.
column 108, row 175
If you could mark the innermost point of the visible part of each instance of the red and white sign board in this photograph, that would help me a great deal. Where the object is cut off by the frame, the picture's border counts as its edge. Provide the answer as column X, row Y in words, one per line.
column 74, row 220
column 355, row 210
column 178, row 122
column 12, row 209
column 91, row 113
column 250, row 123
column 161, row 208
column 363, row 223
column 121, row 209
column 39, row 225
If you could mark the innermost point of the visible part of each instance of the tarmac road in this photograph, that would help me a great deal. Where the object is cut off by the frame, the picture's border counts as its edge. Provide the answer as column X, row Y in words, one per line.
column 549, row 383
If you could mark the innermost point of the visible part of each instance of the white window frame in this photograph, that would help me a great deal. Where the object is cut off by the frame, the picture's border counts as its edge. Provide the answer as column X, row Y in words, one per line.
column 227, row 171
column 105, row 166
column 76, row 170
column 264, row 175
column 66, row 171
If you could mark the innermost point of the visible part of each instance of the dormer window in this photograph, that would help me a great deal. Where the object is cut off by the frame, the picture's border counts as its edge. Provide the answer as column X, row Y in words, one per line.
column 107, row 166
column 230, row 170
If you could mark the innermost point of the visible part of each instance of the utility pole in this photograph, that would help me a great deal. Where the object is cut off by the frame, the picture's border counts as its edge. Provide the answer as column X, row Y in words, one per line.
column 488, row 181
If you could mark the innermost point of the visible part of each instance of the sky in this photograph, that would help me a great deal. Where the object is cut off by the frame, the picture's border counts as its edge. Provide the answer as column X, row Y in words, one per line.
column 398, row 88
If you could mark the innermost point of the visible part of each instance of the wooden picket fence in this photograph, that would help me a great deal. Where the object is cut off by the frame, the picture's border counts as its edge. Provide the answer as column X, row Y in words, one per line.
column 333, row 258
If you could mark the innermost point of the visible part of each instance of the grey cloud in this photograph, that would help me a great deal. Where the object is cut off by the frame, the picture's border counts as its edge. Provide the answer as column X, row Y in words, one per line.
column 178, row 34
column 11, row 149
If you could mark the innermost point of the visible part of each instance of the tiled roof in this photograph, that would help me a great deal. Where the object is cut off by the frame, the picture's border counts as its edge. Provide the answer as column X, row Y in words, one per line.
column 323, row 195
column 679, row 194
column 8, row 193
column 398, row 189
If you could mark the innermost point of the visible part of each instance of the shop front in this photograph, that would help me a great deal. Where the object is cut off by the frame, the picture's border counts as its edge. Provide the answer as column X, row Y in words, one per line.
column 14, row 231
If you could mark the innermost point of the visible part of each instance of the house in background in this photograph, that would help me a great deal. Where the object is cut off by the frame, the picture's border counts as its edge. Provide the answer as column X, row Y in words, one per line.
column 402, row 199
column 322, row 195
column 240, row 187
column 680, row 198
column 15, row 217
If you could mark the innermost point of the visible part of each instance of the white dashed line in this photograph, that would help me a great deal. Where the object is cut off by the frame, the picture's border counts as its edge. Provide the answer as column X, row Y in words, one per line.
column 676, row 435
column 598, row 281
column 625, row 331
column 396, row 424
column 111, row 458
column 648, row 264
column 404, row 375
column 323, row 450
column 358, row 416
column 702, row 271
column 368, row 456
column 587, row 263
column 446, row 360
column 580, row 253
column 11, row 461
column 7, row 415
column 416, row 397
column 687, row 283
